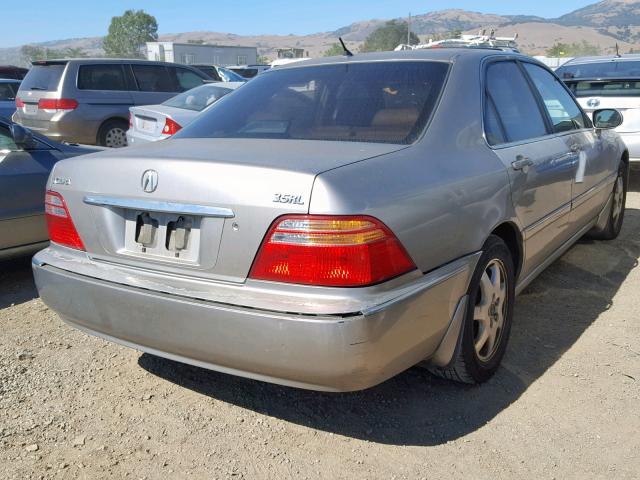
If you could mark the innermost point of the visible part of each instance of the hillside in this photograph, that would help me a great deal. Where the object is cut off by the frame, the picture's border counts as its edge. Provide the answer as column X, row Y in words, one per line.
column 602, row 24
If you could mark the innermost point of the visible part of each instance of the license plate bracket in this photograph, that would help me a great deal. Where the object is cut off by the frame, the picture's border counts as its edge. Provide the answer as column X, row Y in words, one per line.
column 166, row 236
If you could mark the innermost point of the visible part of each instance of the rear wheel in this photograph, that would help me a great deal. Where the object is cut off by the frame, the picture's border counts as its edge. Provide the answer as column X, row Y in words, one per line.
column 485, row 333
column 113, row 134
column 618, row 203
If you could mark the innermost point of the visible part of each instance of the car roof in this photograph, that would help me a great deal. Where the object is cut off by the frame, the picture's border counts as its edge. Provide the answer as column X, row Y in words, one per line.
column 435, row 54
column 629, row 57
column 58, row 61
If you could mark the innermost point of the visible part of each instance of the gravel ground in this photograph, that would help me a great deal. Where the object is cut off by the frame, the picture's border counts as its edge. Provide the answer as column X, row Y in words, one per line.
column 565, row 404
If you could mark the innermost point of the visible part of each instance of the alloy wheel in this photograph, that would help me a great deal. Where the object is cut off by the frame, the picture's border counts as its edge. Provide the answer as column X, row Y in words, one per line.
column 618, row 200
column 490, row 310
column 116, row 138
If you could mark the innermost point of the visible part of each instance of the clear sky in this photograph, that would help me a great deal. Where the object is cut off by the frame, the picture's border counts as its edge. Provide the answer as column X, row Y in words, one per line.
column 41, row 20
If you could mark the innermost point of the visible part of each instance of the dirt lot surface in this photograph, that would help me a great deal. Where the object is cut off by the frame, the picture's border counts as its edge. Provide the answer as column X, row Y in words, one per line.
column 565, row 405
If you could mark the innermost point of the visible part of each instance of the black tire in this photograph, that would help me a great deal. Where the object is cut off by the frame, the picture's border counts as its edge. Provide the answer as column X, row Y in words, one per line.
column 111, row 134
column 618, row 203
column 467, row 366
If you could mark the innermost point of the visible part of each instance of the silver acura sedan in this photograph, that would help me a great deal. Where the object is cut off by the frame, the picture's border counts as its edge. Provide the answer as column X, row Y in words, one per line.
column 337, row 221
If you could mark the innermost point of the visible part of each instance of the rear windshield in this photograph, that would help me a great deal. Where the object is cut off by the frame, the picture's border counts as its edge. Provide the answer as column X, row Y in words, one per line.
column 384, row 102
column 610, row 69
column 43, row 77
column 622, row 88
column 197, row 99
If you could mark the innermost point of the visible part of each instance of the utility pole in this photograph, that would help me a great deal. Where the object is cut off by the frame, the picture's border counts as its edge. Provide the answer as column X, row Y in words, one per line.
column 409, row 30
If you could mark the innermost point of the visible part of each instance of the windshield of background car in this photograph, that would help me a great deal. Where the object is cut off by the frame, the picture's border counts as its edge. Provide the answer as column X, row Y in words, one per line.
column 8, row 91
column 610, row 69
column 197, row 99
column 383, row 102
column 43, row 77
column 229, row 76
column 610, row 88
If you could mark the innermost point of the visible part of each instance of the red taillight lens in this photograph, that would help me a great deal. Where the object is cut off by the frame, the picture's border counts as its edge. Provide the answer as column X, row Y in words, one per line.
column 341, row 251
column 170, row 127
column 57, row 104
column 130, row 120
column 61, row 227
column 19, row 103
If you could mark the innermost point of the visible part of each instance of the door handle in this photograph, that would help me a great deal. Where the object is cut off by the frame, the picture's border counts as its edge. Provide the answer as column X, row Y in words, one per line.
column 522, row 163
column 575, row 148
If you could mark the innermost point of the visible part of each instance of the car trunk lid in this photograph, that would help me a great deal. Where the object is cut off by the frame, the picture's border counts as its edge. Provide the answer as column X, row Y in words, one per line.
column 214, row 197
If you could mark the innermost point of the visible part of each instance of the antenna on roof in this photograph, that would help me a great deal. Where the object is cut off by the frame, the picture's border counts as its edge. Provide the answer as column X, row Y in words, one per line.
column 347, row 52
column 618, row 51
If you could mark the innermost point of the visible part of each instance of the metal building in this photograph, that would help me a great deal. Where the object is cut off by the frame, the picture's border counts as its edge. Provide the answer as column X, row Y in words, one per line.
column 194, row 53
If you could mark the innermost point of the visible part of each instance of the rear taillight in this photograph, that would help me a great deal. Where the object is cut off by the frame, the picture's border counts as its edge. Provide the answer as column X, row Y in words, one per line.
column 19, row 103
column 130, row 120
column 61, row 227
column 57, row 104
column 340, row 251
column 170, row 127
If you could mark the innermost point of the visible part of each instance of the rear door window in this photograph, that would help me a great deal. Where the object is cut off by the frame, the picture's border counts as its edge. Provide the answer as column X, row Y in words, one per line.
column 153, row 78
column 45, row 77
column 563, row 110
column 101, row 77
column 210, row 71
column 187, row 79
column 516, row 106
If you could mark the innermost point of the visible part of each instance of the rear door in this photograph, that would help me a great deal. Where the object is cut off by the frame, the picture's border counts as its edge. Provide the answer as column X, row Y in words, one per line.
column 595, row 163
column 539, row 168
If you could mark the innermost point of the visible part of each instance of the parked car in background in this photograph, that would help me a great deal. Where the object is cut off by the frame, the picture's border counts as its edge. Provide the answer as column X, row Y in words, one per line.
column 87, row 100
column 15, row 73
column 609, row 82
column 157, row 122
column 26, row 160
column 337, row 221
column 249, row 71
column 8, row 92
column 220, row 74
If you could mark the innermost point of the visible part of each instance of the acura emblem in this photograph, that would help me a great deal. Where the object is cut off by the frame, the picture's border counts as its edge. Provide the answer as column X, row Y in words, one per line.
column 149, row 181
column 593, row 103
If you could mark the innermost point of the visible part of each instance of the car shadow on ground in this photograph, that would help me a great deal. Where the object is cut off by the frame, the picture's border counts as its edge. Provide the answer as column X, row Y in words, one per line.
column 415, row 408
column 16, row 282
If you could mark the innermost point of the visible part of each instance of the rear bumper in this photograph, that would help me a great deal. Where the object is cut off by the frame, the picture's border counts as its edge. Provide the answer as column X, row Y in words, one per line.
column 136, row 138
column 321, row 352
column 71, row 126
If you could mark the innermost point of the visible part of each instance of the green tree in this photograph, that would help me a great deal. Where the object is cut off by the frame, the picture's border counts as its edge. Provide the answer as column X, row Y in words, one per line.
column 128, row 33
column 388, row 37
column 262, row 60
column 335, row 49
column 583, row 48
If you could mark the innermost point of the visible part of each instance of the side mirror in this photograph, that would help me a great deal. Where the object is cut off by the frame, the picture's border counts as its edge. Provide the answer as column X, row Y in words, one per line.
column 607, row 119
column 22, row 137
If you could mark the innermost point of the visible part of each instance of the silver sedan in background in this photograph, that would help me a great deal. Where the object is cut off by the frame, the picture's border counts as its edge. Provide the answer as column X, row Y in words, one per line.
column 157, row 122
column 337, row 221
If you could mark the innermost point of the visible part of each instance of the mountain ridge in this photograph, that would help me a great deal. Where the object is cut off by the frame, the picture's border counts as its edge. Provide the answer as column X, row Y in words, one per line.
column 603, row 24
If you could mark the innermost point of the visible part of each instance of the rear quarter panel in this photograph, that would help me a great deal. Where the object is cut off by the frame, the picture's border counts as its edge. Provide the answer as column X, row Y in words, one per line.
column 443, row 195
